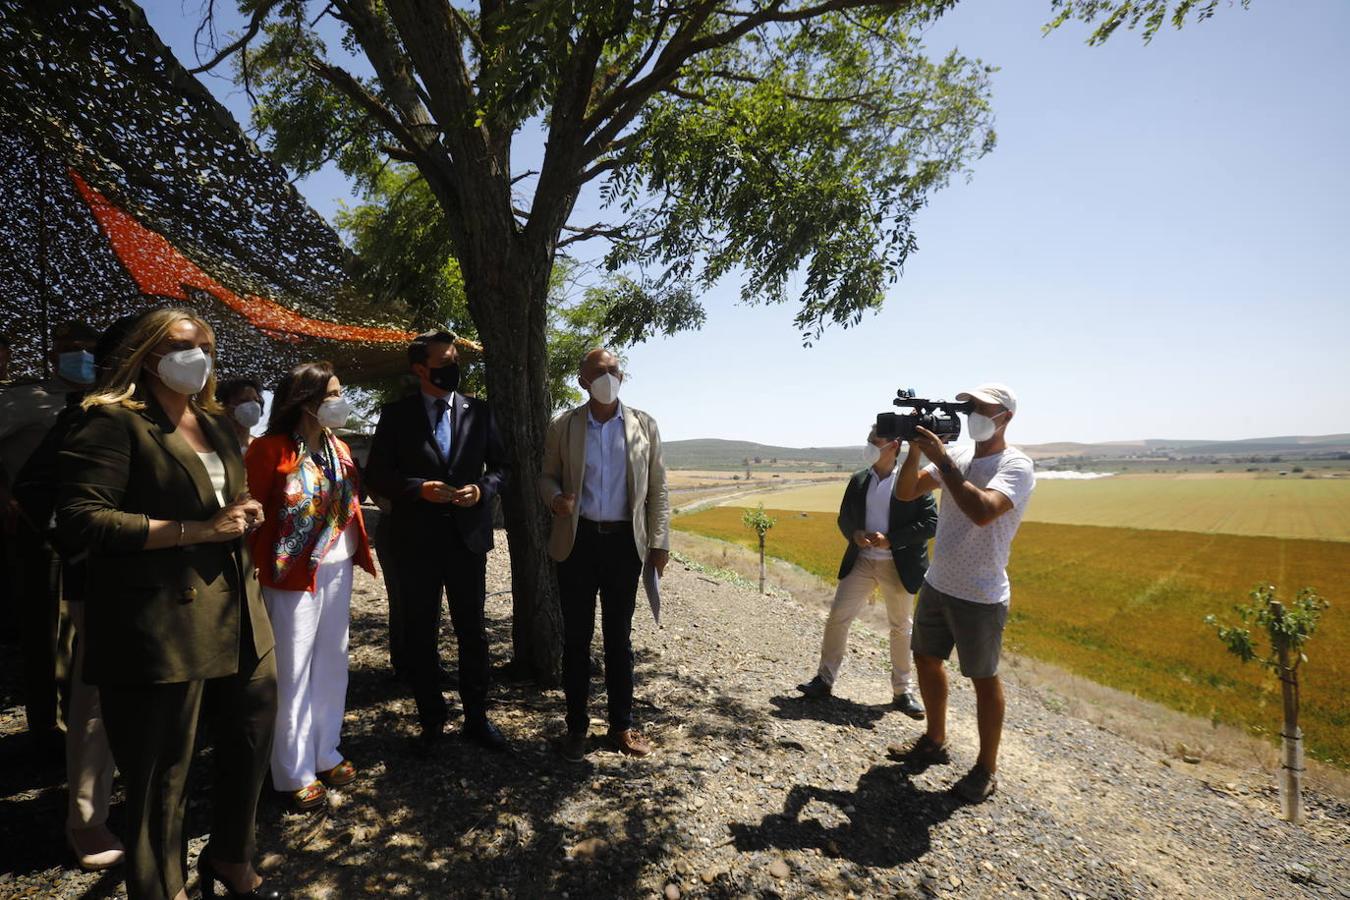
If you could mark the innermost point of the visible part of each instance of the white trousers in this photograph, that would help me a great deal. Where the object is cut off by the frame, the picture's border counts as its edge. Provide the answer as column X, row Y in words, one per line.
column 311, row 647
column 849, row 598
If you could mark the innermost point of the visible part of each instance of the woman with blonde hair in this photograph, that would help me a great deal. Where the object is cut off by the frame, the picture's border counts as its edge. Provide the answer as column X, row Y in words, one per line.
column 314, row 537
column 152, row 484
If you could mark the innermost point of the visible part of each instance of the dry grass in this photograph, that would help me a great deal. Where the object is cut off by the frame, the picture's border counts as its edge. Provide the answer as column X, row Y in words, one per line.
column 1125, row 608
column 1233, row 503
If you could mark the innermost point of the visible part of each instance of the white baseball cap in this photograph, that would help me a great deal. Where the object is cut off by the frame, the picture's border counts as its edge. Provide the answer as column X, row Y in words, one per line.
column 992, row 392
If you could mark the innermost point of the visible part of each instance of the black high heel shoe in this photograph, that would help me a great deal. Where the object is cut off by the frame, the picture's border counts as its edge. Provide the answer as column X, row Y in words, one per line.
column 207, row 878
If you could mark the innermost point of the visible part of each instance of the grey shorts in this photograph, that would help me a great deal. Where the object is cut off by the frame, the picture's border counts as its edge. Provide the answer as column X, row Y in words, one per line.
column 942, row 621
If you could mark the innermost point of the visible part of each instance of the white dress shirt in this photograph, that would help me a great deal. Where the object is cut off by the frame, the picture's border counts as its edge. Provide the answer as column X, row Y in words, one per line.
column 604, row 488
column 878, row 518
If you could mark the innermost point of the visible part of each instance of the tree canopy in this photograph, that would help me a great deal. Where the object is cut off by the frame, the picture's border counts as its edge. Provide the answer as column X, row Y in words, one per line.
column 790, row 143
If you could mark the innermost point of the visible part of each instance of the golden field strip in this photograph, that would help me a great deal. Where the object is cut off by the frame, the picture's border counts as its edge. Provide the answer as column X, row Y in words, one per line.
column 1125, row 607
column 1290, row 507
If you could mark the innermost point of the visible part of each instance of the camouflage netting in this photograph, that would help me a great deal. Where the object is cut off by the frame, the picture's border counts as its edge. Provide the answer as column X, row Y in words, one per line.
column 128, row 186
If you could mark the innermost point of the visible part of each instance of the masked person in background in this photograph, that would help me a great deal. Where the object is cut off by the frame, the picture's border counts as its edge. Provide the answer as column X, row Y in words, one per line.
column 964, row 600
column 27, row 413
column 89, row 761
column 174, row 611
column 887, row 552
column 304, row 476
column 604, row 479
column 243, row 403
column 437, row 458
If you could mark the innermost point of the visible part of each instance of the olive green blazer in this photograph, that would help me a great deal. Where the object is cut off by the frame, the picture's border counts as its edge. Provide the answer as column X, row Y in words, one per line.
column 155, row 616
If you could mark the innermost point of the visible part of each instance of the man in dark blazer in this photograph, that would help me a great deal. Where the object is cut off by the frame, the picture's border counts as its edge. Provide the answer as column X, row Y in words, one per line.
column 888, row 552
column 438, row 459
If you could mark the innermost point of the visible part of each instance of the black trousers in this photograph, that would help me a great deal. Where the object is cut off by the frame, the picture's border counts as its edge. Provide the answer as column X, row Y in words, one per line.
column 384, row 550
column 46, row 635
column 152, row 729
column 428, row 563
column 607, row 564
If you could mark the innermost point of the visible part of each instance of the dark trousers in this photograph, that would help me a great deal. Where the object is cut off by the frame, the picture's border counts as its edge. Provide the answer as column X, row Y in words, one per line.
column 152, row 729
column 9, row 586
column 607, row 564
column 45, row 633
column 428, row 562
column 384, row 550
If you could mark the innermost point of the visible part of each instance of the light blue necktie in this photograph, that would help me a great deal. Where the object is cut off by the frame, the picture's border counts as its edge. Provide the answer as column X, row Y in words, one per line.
column 443, row 428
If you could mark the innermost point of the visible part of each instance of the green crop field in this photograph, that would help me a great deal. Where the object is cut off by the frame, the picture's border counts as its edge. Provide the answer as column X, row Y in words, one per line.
column 1291, row 507
column 1125, row 607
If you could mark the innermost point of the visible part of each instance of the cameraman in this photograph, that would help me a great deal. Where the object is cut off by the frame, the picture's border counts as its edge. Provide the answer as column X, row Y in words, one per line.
column 964, row 600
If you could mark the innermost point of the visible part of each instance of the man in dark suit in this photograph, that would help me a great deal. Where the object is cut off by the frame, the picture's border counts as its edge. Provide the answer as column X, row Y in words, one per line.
column 438, row 459
column 887, row 551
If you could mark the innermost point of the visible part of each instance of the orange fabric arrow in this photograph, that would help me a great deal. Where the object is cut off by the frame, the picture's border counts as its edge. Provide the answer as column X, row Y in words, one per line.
column 161, row 270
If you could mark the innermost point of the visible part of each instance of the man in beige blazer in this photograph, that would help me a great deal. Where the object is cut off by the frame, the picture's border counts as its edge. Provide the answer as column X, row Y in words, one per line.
column 605, row 483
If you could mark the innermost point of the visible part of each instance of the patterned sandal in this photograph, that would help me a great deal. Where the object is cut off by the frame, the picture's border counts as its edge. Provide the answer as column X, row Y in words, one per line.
column 308, row 798
column 343, row 773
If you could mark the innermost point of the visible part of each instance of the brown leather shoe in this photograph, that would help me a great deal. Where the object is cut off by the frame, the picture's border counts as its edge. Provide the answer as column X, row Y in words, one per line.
column 631, row 742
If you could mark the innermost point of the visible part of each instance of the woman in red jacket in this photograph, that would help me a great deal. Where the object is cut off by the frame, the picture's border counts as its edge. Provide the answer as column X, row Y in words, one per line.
column 313, row 534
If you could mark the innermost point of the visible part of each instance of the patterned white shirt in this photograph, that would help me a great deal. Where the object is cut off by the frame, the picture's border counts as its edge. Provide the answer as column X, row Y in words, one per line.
column 970, row 561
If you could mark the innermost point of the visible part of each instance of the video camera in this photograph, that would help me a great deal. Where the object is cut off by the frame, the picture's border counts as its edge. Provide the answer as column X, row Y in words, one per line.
column 938, row 416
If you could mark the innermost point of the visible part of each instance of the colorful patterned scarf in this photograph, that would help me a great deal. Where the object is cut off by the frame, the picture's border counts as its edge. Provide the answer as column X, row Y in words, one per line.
column 319, row 500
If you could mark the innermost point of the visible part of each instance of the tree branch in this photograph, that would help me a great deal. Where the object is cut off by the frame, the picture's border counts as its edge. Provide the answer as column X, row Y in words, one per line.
column 555, row 194
column 428, row 30
column 387, row 59
column 399, row 153
column 346, row 83
column 859, row 99
column 254, row 26
column 619, row 109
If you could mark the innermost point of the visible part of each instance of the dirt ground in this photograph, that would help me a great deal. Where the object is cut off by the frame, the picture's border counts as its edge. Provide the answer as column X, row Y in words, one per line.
column 753, row 792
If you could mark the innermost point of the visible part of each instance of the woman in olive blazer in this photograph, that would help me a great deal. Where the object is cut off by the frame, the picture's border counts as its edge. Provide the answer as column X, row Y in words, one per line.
column 153, row 485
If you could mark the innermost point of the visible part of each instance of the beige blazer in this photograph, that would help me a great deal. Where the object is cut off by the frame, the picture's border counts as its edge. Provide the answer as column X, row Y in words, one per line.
column 565, row 467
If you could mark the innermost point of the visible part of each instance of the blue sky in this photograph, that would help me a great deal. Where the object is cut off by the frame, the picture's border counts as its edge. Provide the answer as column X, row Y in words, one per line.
column 1156, row 248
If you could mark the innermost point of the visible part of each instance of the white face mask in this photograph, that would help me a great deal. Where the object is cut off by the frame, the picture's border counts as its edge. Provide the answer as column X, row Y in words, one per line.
column 605, row 389
column 185, row 371
column 982, row 427
column 871, row 454
column 248, row 413
column 334, row 412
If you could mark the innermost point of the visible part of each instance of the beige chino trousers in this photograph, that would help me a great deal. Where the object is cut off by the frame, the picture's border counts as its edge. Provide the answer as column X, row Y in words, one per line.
column 849, row 599
column 89, row 760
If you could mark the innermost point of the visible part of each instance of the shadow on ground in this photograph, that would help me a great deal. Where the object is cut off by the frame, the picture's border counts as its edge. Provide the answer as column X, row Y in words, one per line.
column 833, row 710
column 884, row 822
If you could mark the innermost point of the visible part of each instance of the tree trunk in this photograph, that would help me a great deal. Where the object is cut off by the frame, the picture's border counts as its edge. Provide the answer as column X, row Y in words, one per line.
column 761, row 563
column 1291, row 757
column 509, row 301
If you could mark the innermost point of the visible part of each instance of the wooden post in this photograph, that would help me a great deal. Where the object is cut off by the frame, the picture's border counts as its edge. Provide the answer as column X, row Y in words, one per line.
column 761, row 562
column 1291, row 759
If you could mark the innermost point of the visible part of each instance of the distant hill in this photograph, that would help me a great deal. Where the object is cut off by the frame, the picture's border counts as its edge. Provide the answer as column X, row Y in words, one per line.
column 1287, row 444
column 716, row 453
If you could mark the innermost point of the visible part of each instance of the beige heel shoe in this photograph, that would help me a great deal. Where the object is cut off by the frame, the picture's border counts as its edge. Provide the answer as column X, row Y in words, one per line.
column 95, row 848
